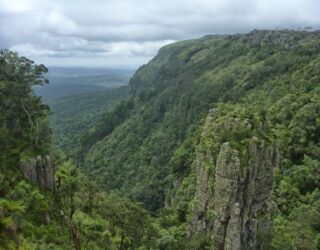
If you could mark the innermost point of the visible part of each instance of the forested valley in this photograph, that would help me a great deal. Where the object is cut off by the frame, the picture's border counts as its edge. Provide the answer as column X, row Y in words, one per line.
column 213, row 144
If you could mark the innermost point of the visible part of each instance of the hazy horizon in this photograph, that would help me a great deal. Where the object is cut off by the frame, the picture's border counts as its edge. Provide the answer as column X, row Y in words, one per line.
column 127, row 34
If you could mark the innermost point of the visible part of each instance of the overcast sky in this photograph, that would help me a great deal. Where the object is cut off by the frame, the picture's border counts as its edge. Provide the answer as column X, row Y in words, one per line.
column 113, row 33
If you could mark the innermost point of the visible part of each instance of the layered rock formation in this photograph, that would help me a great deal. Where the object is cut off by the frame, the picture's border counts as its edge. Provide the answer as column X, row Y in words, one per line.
column 40, row 171
column 235, row 164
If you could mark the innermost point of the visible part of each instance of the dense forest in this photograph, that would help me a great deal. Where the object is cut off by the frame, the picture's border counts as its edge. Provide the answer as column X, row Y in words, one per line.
column 73, row 115
column 213, row 145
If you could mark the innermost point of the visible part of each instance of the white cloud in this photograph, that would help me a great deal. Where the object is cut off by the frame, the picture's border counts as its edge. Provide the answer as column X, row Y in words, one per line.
column 16, row 6
column 30, row 50
column 54, row 30
column 58, row 22
column 83, row 48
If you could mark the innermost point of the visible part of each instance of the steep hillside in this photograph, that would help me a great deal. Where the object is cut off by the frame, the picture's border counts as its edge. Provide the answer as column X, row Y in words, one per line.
column 45, row 200
column 73, row 115
column 217, row 137
column 178, row 87
column 147, row 147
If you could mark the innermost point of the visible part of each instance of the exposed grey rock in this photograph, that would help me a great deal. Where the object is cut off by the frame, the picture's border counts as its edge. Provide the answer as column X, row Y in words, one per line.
column 237, row 209
column 213, row 112
column 40, row 171
column 203, row 193
column 226, row 198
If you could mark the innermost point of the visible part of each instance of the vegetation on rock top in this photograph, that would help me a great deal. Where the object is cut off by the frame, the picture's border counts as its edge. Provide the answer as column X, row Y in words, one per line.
column 136, row 185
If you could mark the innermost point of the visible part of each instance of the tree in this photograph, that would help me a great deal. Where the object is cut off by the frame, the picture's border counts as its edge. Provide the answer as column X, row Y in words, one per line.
column 23, row 117
column 128, row 220
column 24, row 132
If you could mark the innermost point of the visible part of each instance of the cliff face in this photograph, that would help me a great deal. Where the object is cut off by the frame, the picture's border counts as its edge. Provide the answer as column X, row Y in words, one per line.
column 134, row 147
column 40, row 171
column 235, row 164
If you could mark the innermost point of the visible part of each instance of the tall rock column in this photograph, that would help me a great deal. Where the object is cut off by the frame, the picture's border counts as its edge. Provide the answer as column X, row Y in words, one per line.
column 235, row 164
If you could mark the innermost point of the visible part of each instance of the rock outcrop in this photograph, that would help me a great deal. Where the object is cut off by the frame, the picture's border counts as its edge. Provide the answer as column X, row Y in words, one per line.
column 234, row 182
column 40, row 171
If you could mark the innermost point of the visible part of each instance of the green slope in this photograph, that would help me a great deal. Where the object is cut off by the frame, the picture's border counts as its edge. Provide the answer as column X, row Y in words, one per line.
column 178, row 87
column 45, row 200
column 148, row 147
column 148, row 151
column 73, row 115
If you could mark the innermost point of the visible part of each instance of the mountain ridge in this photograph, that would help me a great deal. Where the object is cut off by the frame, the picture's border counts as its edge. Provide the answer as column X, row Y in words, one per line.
column 213, row 145
column 173, row 93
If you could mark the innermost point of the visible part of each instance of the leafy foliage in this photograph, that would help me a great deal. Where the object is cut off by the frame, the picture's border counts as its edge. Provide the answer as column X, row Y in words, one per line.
column 75, row 213
column 148, row 155
column 140, row 154
column 74, row 115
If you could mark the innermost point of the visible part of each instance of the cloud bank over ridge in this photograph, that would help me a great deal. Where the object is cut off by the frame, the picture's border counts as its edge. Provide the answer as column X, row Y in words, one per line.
column 129, row 32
